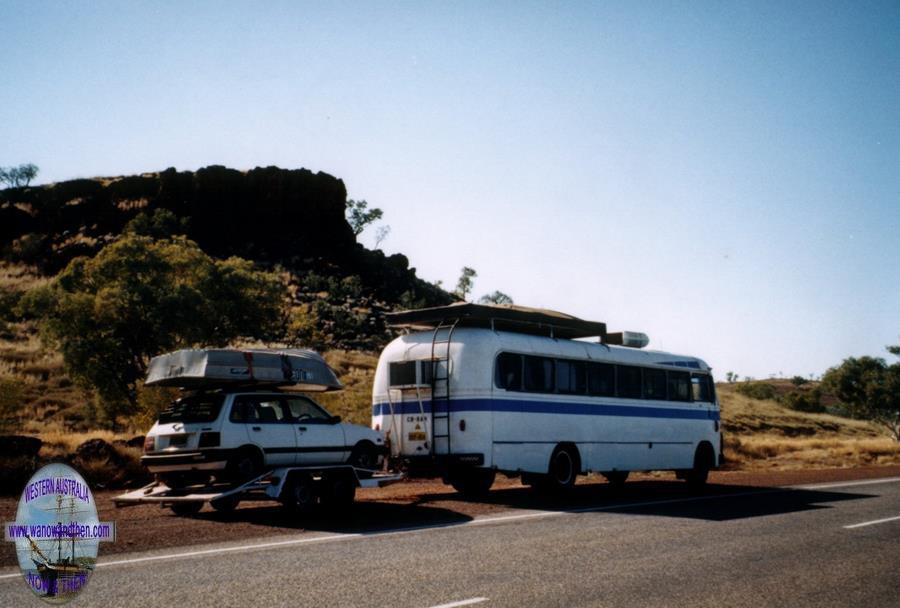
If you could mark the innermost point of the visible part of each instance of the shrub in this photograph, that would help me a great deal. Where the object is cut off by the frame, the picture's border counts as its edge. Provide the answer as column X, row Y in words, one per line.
column 756, row 390
column 804, row 401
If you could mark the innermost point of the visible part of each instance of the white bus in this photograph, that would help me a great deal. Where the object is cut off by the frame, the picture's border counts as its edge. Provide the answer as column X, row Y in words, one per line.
column 475, row 389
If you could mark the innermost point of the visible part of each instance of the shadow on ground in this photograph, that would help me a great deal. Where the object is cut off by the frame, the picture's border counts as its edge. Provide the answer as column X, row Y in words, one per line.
column 717, row 502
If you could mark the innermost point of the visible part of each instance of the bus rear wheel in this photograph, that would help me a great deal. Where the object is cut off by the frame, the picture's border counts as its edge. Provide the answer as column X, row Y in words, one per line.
column 471, row 482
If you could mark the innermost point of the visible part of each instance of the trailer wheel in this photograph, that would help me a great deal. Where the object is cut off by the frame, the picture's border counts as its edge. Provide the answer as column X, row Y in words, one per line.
column 299, row 494
column 472, row 482
column 616, row 478
column 340, row 490
column 184, row 509
column 227, row 504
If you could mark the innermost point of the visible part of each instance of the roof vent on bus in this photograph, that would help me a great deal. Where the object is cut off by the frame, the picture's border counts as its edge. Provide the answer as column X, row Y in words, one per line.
column 631, row 339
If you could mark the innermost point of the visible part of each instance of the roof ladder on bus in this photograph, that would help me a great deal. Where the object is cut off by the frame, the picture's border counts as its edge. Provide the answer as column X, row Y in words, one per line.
column 440, row 383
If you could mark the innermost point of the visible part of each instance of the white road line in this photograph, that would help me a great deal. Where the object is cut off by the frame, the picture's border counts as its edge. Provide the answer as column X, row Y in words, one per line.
column 469, row 602
column 847, row 484
column 478, row 522
column 872, row 523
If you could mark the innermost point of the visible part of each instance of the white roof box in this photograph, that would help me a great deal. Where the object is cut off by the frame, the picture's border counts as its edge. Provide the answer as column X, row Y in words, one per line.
column 293, row 369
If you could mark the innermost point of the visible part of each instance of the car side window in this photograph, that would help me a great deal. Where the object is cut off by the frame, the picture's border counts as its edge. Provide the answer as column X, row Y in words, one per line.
column 305, row 410
column 258, row 409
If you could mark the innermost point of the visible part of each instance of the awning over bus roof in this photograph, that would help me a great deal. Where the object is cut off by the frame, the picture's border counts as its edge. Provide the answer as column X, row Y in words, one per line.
column 292, row 369
column 501, row 317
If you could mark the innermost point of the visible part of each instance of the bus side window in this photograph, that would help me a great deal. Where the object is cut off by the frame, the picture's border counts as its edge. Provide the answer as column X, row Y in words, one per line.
column 601, row 378
column 654, row 384
column 628, row 381
column 679, row 386
column 509, row 371
column 701, row 385
column 538, row 374
column 570, row 376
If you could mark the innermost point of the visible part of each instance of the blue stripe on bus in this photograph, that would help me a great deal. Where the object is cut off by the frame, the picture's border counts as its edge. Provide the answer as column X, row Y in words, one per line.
column 548, row 407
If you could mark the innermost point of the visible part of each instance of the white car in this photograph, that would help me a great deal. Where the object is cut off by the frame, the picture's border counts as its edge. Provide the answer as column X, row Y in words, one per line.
column 236, row 436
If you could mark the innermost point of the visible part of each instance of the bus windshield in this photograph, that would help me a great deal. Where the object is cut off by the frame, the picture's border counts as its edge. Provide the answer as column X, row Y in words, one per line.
column 196, row 408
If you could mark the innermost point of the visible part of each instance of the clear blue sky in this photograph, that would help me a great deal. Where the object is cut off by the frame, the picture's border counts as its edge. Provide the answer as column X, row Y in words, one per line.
column 723, row 176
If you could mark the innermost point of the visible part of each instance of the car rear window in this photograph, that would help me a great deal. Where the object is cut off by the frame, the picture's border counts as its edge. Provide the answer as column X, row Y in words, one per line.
column 196, row 408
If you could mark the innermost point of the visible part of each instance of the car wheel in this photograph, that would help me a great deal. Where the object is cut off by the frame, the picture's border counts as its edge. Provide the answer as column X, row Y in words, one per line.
column 472, row 482
column 245, row 465
column 183, row 509
column 299, row 494
column 363, row 457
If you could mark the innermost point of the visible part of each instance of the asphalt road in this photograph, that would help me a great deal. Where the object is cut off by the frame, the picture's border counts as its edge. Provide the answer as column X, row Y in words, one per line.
column 818, row 545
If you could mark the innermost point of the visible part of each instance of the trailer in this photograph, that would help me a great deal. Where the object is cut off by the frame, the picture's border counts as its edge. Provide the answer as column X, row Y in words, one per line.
column 299, row 489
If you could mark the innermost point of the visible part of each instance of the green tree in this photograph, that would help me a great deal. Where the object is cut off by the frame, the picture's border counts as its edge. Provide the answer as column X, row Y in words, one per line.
column 465, row 283
column 869, row 388
column 498, row 297
column 359, row 216
column 162, row 224
column 16, row 177
column 139, row 297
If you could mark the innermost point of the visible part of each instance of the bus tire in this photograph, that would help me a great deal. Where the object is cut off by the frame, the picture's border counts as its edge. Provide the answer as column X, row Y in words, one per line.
column 186, row 509
column 703, row 461
column 565, row 464
column 616, row 478
column 299, row 494
column 226, row 504
column 472, row 482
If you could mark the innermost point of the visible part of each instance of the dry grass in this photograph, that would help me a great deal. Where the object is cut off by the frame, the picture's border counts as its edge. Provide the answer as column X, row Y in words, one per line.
column 763, row 434
column 742, row 415
column 778, row 452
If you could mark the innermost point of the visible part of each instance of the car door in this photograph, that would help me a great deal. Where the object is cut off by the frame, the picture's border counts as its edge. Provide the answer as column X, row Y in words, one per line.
column 269, row 426
column 320, row 440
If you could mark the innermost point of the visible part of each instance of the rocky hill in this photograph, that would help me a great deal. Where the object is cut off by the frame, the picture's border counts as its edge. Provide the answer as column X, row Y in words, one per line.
column 290, row 219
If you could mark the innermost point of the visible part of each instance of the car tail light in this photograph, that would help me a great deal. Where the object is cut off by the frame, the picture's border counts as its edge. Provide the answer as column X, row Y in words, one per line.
column 209, row 440
column 149, row 443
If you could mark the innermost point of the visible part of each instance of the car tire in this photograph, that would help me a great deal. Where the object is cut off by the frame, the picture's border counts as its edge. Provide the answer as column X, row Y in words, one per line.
column 244, row 465
column 365, row 457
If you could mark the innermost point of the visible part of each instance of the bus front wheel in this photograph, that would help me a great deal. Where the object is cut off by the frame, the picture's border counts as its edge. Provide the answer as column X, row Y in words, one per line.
column 563, row 470
column 703, row 461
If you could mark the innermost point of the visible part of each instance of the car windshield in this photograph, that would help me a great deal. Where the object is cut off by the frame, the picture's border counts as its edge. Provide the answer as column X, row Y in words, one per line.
column 196, row 408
